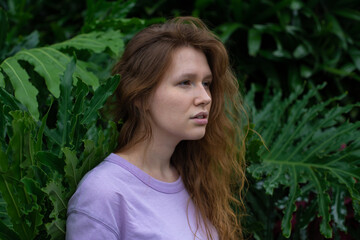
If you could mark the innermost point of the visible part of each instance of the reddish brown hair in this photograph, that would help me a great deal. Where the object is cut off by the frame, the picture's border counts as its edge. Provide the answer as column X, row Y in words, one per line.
column 212, row 168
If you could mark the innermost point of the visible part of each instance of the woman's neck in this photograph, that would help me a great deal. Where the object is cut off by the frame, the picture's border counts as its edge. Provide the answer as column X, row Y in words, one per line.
column 153, row 157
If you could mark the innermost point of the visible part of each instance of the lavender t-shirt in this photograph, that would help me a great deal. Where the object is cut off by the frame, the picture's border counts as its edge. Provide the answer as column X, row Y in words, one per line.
column 117, row 200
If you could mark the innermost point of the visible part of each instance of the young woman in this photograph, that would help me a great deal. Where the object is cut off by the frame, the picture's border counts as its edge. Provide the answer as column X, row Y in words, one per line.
column 178, row 170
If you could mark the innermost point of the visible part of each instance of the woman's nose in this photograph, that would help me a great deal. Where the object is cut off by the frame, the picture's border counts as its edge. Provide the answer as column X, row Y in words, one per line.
column 203, row 96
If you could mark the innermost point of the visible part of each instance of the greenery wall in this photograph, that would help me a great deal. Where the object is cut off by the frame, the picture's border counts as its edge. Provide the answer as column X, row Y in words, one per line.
column 298, row 64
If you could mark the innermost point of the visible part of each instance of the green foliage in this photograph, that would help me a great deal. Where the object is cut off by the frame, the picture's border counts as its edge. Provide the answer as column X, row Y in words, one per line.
column 37, row 174
column 50, row 62
column 312, row 150
column 51, row 132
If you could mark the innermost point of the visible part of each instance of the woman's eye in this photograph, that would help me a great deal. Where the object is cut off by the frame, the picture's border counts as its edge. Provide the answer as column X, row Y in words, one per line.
column 206, row 84
column 185, row 83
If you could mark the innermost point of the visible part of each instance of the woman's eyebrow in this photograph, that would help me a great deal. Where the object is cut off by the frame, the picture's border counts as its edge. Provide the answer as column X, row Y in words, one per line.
column 194, row 75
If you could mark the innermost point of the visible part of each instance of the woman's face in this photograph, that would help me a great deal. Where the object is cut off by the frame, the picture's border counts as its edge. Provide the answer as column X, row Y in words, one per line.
column 181, row 103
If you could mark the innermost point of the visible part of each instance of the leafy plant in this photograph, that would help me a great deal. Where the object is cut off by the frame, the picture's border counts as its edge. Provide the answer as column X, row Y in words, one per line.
column 49, row 62
column 51, row 133
column 38, row 177
column 313, row 152
column 317, row 40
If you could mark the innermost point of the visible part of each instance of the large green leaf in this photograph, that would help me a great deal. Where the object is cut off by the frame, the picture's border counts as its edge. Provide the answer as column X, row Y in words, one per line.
column 305, row 142
column 50, row 63
column 95, row 41
column 25, row 92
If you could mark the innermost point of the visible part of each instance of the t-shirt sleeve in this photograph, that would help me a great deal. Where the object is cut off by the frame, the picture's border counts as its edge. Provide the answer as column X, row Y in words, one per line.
column 96, row 209
column 80, row 226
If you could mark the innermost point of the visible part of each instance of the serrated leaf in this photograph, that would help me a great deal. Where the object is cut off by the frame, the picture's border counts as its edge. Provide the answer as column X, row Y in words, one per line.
column 50, row 63
column 100, row 96
column 324, row 204
column 54, row 62
column 56, row 229
column 25, row 92
column 37, row 196
column 89, row 155
column 21, row 144
column 56, row 193
column 291, row 207
column 305, row 150
column 95, row 41
column 86, row 76
column 338, row 209
column 78, row 110
column 93, row 153
column 81, row 92
column 44, row 64
column 65, row 103
column 39, row 137
column 11, row 101
column 72, row 174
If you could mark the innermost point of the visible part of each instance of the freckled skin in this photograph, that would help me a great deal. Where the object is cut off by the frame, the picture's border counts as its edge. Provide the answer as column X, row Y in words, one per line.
column 182, row 93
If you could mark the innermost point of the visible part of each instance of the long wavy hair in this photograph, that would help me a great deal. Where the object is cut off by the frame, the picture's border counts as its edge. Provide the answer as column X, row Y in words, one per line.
column 212, row 168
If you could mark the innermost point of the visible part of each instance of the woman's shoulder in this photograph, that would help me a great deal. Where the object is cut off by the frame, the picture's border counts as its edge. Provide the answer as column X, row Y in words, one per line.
column 100, row 193
column 105, row 183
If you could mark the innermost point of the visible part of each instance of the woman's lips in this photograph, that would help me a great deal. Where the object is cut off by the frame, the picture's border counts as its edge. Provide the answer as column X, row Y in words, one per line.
column 200, row 121
column 201, row 118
